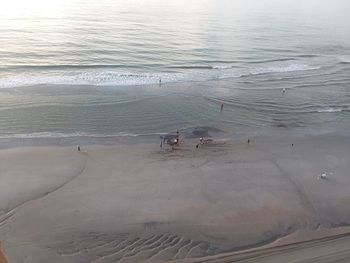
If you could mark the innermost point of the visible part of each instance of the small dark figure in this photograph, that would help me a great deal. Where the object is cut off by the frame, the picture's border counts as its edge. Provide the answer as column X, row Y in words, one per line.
column 292, row 144
column 205, row 141
column 160, row 81
column 284, row 90
column 248, row 142
column 78, row 148
column 161, row 144
column 177, row 136
column 222, row 106
column 197, row 145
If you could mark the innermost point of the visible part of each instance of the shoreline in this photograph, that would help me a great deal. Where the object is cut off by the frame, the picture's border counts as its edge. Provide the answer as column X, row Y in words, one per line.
column 202, row 202
column 150, row 139
column 107, row 114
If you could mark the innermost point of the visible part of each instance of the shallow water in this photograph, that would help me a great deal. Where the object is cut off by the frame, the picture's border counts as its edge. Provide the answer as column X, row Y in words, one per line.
column 82, row 68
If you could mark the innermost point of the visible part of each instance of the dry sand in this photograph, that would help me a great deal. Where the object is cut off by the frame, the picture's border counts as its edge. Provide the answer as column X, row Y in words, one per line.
column 137, row 203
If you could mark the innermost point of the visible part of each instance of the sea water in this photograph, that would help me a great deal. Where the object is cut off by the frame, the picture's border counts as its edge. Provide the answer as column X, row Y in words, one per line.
column 107, row 69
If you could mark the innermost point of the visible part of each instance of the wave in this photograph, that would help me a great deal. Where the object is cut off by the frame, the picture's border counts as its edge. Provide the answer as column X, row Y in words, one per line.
column 284, row 69
column 270, row 60
column 42, row 135
column 190, row 67
column 221, row 61
column 223, row 67
column 330, row 110
column 64, row 66
column 110, row 78
column 97, row 78
column 202, row 67
column 306, row 56
column 344, row 60
column 103, row 77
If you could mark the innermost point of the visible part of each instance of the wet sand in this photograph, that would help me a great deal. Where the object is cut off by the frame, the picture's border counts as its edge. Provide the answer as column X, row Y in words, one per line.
column 302, row 246
column 137, row 203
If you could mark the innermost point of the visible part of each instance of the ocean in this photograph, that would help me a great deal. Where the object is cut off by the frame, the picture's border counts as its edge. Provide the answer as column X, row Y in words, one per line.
column 91, row 70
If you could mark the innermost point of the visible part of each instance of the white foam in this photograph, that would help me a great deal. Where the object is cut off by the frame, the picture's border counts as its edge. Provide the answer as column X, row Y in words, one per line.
column 222, row 67
column 105, row 77
column 86, row 78
column 283, row 69
column 109, row 78
column 37, row 135
column 330, row 110
column 100, row 78
column 344, row 59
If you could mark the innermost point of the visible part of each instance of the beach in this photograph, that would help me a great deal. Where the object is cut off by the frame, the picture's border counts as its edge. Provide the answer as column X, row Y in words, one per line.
column 92, row 91
column 139, row 203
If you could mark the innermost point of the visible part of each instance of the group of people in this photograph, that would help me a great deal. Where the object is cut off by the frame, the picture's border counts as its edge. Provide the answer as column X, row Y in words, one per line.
column 203, row 141
column 175, row 140
column 172, row 141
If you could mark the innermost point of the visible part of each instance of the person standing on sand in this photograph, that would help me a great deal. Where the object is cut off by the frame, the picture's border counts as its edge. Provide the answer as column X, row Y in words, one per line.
column 160, row 81
column 222, row 106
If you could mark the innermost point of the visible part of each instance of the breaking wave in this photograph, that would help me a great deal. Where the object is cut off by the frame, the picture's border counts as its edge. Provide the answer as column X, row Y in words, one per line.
column 85, row 78
column 110, row 77
column 284, row 69
column 344, row 60
column 223, row 67
column 37, row 135
column 330, row 110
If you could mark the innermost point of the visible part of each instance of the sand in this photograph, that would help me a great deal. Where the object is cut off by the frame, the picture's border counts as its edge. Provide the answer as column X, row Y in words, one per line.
column 302, row 246
column 137, row 203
